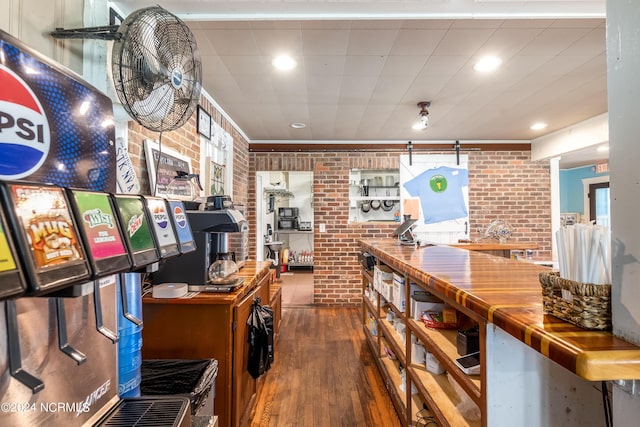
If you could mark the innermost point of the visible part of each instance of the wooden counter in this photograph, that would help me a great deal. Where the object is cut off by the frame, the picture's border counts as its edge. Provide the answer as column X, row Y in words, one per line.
column 507, row 293
column 495, row 248
column 211, row 326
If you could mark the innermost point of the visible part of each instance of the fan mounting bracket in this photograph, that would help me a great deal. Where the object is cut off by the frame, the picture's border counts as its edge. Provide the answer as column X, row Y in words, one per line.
column 109, row 32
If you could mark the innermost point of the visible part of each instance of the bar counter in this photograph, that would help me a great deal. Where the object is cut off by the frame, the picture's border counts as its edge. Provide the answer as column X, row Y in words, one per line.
column 252, row 272
column 212, row 325
column 507, row 294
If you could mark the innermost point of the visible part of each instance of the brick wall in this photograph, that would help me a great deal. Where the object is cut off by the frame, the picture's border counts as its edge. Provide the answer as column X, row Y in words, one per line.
column 186, row 140
column 504, row 185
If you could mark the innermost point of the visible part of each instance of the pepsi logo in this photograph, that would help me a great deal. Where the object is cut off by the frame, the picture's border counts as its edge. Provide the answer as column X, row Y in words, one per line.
column 180, row 217
column 161, row 219
column 25, row 138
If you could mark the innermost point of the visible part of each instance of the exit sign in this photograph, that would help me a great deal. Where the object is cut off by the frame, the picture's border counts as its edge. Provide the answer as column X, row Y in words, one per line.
column 602, row 167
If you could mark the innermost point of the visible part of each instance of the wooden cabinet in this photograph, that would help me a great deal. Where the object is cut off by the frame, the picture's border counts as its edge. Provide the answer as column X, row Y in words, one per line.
column 414, row 390
column 211, row 326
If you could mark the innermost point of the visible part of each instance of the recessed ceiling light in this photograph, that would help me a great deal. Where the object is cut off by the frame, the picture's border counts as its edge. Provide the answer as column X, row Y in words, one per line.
column 538, row 126
column 298, row 125
column 486, row 64
column 284, row 62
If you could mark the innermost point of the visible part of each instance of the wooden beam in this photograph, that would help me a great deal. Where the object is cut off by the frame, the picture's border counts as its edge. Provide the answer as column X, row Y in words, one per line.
column 318, row 147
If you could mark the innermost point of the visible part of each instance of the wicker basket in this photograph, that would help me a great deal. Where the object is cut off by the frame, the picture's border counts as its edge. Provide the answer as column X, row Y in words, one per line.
column 585, row 305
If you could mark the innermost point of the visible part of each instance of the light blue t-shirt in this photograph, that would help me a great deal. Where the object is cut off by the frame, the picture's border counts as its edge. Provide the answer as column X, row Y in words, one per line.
column 440, row 193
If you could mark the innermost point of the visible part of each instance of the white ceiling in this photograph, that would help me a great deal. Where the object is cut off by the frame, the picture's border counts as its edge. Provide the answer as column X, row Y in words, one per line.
column 360, row 76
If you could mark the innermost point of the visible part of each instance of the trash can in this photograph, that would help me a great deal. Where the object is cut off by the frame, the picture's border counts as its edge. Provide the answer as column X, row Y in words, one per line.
column 194, row 379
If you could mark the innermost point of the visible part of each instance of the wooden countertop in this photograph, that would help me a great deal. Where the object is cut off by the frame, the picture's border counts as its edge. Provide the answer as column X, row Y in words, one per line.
column 252, row 272
column 507, row 293
column 489, row 245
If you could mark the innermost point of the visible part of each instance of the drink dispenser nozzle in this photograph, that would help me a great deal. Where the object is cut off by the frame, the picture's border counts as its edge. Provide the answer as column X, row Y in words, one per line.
column 97, row 305
column 125, row 305
column 13, row 348
column 63, row 341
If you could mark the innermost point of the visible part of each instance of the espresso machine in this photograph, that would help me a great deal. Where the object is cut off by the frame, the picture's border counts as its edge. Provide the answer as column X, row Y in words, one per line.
column 211, row 228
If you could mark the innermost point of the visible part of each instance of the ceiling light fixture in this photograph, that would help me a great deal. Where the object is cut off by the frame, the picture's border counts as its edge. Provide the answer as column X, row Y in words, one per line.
column 423, row 116
column 298, row 125
column 284, row 62
column 538, row 126
column 487, row 64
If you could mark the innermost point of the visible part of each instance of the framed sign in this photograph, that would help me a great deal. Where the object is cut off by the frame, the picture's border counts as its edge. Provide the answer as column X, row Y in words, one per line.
column 204, row 123
column 163, row 166
column 214, row 178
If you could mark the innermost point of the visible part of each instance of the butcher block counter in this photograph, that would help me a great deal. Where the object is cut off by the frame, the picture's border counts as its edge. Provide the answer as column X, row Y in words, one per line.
column 507, row 293
column 495, row 248
column 211, row 326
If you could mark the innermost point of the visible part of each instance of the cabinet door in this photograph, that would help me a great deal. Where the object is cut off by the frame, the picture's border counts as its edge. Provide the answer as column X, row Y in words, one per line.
column 244, row 386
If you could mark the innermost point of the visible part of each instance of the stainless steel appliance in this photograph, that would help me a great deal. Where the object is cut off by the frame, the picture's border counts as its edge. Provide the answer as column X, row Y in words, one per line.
column 287, row 223
column 288, row 218
column 211, row 230
column 288, row 212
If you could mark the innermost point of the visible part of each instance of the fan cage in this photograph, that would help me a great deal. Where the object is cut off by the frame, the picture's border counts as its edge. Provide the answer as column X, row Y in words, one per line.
column 157, row 69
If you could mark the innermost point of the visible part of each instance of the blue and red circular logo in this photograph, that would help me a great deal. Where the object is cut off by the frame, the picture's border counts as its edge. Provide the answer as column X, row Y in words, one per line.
column 179, row 216
column 25, row 138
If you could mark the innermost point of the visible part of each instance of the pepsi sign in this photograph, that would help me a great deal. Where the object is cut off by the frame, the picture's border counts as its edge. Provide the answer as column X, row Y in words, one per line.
column 24, row 128
column 180, row 216
column 54, row 126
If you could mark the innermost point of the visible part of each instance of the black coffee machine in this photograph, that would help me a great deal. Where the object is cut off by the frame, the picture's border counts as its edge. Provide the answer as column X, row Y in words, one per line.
column 210, row 228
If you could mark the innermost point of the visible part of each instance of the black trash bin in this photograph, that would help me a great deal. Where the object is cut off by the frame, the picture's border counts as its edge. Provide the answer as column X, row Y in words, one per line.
column 194, row 379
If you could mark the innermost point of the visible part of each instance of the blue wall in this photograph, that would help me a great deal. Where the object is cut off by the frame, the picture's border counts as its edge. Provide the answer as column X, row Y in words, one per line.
column 572, row 190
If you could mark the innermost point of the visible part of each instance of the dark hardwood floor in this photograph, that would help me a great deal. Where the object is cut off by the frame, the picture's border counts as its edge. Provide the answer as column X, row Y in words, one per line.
column 323, row 375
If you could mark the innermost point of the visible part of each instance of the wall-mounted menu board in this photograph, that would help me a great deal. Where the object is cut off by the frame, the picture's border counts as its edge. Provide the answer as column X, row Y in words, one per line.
column 163, row 164
column 100, row 232
column 136, row 228
column 162, row 227
column 11, row 277
column 181, row 225
column 46, row 234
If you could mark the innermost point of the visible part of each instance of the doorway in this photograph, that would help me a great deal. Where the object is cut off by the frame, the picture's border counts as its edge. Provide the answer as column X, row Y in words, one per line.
column 285, row 217
column 599, row 204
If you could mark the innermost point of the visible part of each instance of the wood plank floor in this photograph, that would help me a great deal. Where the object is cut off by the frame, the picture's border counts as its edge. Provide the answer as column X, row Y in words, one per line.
column 323, row 375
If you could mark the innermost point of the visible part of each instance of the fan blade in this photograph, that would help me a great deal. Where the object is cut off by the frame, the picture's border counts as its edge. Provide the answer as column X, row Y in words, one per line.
column 157, row 105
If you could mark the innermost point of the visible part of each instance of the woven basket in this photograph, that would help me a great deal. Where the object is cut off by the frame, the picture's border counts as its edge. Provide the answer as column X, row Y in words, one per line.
column 585, row 305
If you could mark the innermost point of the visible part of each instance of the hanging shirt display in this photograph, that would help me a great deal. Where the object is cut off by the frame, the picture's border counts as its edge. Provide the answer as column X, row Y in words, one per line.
column 440, row 193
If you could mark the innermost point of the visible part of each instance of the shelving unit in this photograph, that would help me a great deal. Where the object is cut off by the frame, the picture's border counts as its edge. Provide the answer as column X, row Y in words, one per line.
column 285, row 236
column 379, row 192
column 434, row 391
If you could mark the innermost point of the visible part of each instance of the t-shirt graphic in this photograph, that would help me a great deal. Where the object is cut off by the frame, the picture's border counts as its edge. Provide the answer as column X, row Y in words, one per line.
column 440, row 193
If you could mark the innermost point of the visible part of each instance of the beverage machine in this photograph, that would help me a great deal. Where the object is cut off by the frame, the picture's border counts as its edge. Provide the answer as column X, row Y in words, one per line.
column 66, row 244
column 211, row 228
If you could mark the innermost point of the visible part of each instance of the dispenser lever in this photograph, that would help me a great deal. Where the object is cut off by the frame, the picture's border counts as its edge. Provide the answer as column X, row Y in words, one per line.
column 97, row 303
column 63, row 341
column 13, row 344
column 125, row 305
